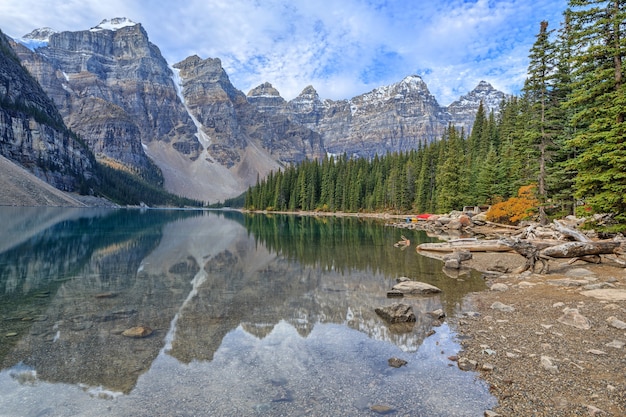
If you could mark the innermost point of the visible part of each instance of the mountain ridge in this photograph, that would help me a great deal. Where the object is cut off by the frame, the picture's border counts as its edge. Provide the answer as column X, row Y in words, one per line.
column 186, row 126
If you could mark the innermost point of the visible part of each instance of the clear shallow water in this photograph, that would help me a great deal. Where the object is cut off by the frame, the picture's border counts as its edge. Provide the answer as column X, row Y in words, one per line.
column 252, row 315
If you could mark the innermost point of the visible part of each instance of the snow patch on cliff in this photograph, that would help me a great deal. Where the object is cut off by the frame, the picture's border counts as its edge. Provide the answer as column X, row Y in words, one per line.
column 113, row 24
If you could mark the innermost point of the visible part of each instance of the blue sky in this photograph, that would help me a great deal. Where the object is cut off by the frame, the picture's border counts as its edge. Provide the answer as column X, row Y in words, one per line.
column 342, row 47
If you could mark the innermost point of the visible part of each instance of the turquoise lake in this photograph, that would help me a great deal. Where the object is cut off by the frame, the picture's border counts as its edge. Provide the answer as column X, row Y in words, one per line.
column 252, row 315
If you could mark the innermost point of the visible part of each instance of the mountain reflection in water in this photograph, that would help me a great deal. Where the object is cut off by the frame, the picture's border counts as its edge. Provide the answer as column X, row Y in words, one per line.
column 251, row 314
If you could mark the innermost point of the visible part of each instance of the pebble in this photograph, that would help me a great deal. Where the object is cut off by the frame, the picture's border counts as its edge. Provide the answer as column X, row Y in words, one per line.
column 396, row 362
column 465, row 364
column 502, row 307
column 595, row 411
column 615, row 322
column 137, row 332
column 488, row 367
column 499, row 287
column 571, row 317
column 382, row 409
column 548, row 364
column 617, row 344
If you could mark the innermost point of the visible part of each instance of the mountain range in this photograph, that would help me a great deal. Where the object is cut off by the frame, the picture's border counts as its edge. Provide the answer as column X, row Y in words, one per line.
column 186, row 127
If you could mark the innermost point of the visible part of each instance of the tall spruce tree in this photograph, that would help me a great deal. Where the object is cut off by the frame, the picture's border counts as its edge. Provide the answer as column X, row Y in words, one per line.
column 561, row 174
column 452, row 175
column 537, row 91
column 598, row 99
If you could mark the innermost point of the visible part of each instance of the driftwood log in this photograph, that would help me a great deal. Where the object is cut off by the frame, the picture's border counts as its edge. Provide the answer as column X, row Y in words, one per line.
column 530, row 251
column 472, row 245
column 543, row 250
column 581, row 249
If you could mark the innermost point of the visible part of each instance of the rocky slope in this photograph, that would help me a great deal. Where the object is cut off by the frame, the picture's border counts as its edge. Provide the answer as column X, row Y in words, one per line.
column 19, row 187
column 32, row 133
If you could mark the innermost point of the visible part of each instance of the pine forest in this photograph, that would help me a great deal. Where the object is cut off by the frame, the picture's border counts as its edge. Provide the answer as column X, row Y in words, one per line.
column 556, row 149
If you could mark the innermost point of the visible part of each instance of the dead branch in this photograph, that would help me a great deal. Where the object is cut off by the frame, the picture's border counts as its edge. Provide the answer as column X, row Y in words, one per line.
column 566, row 231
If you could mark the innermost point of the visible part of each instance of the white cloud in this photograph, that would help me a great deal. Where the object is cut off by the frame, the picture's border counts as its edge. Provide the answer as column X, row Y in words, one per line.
column 341, row 48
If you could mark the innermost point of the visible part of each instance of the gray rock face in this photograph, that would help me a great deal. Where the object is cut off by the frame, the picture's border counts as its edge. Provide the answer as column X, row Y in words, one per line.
column 463, row 111
column 266, row 98
column 235, row 122
column 115, row 90
column 32, row 132
column 398, row 117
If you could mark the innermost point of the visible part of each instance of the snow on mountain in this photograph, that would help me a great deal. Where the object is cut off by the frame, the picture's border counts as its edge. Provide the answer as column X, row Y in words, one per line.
column 38, row 38
column 485, row 93
column 113, row 24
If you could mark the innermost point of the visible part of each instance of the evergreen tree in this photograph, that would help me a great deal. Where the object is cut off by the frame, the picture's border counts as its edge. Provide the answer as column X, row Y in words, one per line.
column 537, row 92
column 487, row 178
column 598, row 100
column 560, row 173
column 451, row 175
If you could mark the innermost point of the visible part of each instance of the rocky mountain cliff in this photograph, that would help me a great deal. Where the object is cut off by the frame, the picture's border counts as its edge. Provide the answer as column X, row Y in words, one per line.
column 398, row 117
column 32, row 132
column 114, row 89
column 209, row 140
column 463, row 111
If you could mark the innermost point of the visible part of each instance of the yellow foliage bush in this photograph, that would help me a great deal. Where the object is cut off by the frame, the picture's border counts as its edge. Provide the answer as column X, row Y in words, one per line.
column 517, row 208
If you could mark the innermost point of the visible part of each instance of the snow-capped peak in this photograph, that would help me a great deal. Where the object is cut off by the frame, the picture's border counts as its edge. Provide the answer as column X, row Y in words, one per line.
column 413, row 80
column 41, row 34
column 38, row 38
column 113, row 24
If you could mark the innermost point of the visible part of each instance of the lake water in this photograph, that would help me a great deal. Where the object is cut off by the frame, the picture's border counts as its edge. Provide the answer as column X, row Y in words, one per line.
column 251, row 316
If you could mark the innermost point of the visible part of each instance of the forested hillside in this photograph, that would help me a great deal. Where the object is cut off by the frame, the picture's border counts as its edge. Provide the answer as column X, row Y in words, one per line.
column 565, row 134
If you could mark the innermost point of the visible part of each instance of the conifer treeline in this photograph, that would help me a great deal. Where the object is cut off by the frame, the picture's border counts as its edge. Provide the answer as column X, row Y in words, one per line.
column 566, row 133
column 438, row 177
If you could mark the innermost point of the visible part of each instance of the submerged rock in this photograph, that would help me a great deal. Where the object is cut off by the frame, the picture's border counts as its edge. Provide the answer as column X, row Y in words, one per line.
column 137, row 332
column 396, row 362
column 382, row 409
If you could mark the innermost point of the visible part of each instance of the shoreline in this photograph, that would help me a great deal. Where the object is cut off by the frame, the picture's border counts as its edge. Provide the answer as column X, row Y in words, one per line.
column 547, row 344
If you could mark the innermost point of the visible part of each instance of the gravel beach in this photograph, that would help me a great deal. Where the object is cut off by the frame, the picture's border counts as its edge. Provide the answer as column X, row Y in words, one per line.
column 548, row 344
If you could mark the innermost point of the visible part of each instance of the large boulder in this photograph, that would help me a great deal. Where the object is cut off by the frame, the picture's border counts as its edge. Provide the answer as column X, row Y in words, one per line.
column 415, row 288
column 453, row 260
column 396, row 313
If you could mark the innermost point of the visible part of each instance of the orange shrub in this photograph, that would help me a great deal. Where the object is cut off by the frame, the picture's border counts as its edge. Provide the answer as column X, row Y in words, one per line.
column 517, row 208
